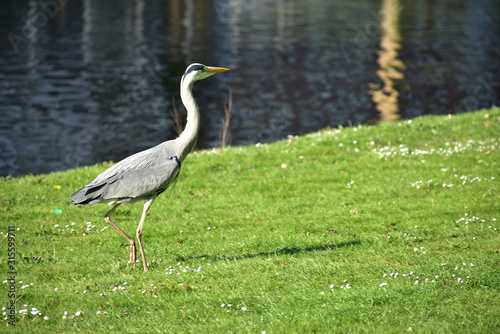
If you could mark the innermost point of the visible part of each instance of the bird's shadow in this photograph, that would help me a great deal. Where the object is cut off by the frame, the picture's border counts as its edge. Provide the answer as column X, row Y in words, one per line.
column 282, row 251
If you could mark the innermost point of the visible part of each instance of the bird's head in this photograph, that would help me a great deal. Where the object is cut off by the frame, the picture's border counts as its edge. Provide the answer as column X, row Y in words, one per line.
column 195, row 72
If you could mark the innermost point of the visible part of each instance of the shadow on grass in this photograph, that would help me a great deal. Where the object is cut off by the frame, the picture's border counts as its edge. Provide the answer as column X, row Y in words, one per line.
column 282, row 251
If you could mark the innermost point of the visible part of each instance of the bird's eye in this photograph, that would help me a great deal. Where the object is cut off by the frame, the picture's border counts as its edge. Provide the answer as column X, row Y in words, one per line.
column 196, row 68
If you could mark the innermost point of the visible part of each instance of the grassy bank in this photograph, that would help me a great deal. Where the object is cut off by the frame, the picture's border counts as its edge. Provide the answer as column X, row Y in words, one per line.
column 382, row 229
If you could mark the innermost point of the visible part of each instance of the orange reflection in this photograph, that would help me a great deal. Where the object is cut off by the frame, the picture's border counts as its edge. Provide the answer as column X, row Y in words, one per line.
column 386, row 97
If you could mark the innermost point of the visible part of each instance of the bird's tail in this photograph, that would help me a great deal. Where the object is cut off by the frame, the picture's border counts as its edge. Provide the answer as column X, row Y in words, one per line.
column 89, row 194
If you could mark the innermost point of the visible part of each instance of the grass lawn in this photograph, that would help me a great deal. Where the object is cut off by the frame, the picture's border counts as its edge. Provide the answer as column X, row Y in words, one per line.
column 372, row 229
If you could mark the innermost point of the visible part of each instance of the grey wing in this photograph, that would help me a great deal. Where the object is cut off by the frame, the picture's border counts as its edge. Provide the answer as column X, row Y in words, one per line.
column 152, row 157
column 142, row 183
column 130, row 184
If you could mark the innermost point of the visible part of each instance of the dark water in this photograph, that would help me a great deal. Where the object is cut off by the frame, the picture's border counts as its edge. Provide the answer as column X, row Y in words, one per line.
column 88, row 81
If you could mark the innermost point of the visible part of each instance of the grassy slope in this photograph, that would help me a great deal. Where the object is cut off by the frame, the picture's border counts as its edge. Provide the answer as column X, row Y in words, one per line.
column 269, row 229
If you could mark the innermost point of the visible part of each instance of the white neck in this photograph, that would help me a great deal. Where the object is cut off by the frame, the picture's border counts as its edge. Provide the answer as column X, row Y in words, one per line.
column 187, row 138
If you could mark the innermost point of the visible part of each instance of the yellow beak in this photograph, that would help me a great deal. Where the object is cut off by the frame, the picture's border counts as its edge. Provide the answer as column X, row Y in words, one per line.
column 211, row 69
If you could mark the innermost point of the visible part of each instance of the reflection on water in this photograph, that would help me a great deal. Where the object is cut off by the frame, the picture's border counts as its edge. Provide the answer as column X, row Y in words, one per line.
column 386, row 98
column 88, row 81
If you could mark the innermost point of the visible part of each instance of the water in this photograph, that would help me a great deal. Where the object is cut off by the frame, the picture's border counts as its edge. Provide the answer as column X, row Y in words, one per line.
column 89, row 81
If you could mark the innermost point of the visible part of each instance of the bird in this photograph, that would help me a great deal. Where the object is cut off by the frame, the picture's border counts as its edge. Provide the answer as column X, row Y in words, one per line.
column 146, row 174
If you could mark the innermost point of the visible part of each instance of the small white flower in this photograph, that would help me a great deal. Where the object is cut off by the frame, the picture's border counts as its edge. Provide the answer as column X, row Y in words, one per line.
column 243, row 308
column 382, row 284
column 46, row 318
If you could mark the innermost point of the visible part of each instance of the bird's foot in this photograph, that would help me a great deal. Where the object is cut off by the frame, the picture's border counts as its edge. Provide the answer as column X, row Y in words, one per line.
column 132, row 258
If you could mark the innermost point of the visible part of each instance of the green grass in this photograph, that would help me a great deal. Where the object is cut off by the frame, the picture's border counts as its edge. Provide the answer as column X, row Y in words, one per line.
column 374, row 229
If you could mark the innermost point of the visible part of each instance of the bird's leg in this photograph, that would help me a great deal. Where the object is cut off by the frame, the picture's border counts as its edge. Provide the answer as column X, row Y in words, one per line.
column 147, row 204
column 131, row 243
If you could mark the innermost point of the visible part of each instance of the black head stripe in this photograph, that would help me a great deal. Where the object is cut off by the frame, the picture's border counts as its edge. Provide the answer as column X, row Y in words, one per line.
column 194, row 67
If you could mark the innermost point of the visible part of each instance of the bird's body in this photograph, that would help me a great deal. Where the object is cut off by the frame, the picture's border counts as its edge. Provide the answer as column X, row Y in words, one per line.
column 137, row 177
column 145, row 175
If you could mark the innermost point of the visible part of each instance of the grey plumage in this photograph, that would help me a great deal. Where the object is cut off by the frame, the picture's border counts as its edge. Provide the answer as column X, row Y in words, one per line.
column 145, row 175
column 140, row 176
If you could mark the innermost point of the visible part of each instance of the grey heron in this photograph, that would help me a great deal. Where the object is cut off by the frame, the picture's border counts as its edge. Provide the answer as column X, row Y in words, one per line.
column 146, row 174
